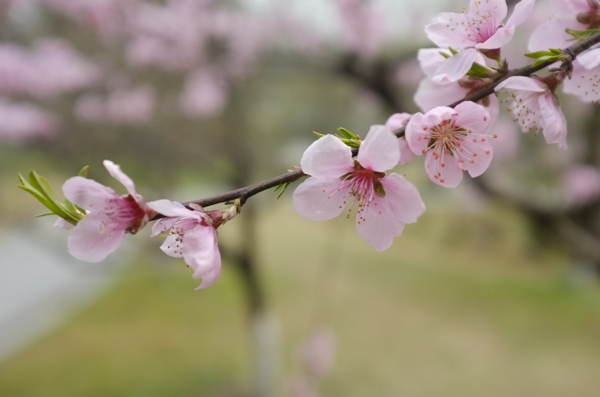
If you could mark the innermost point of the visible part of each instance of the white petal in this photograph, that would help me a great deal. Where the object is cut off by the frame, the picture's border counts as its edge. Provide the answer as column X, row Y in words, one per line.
column 553, row 121
column 521, row 83
column 416, row 134
column 443, row 170
column 319, row 199
column 379, row 151
column 172, row 246
column 521, row 13
column 327, row 157
column 173, row 209
column 590, row 59
column 201, row 253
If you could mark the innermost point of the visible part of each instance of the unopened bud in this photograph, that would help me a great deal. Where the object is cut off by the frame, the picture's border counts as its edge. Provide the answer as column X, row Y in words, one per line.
column 594, row 5
column 585, row 17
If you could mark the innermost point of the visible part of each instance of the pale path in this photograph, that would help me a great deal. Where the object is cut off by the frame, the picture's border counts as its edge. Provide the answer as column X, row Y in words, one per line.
column 41, row 285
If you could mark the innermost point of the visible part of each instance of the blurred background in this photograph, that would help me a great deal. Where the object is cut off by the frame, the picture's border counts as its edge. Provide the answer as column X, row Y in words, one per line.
column 493, row 292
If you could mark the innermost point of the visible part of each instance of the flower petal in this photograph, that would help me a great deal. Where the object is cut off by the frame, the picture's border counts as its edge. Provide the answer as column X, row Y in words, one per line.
column 115, row 171
column 479, row 155
column 551, row 34
column 442, row 169
column 93, row 239
column 172, row 246
column 201, row 253
column 446, row 30
column 499, row 39
column 403, row 198
column 173, row 209
column 521, row 13
column 377, row 225
column 397, row 121
column 521, row 83
column 406, row 154
column 417, row 134
column 430, row 94
column 585, row 83
column 456, row 66
column 379, row 151
column 87, row 193
column 472, row 116
column 319, row 199
column 327, row 157
column 553, row 121
column 590, row 59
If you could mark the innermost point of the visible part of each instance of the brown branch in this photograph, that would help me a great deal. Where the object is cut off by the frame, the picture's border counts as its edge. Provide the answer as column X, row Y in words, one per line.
column 245, row 193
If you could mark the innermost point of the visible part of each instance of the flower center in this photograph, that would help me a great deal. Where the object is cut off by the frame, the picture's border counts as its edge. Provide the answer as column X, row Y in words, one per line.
column 361, row 186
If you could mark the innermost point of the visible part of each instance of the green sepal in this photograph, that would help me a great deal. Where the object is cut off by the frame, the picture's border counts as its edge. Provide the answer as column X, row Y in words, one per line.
column 84, row 171
column 479, row 70
column 351, row 142
column 318, row 134
column 347, row 134
column 452, row 51
column 581, row 34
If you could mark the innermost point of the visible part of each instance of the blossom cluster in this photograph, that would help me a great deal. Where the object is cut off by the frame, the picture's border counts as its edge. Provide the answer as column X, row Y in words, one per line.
column 348, row 173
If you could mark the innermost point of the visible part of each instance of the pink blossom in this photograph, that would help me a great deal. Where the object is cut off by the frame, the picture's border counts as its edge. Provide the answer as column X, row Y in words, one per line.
column 109, row 217
column 585, row 79
column 191, row 234
column 481, row 28
column 534, row 106
column 455, row 140
column 131, row 106
column 569, row 14
column 395, row 122
column 431, row 94
column 385, row 203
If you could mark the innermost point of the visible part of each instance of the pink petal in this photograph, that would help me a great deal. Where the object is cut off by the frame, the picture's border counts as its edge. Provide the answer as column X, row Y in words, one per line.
column 553, row 121
column 492, row 12
column 115, row 171
column 472, row 116
column 584, row 83
column 163, row 225
column 443, row 171
column 379, row 151
column 416, row 133
column 456, row 66
column 437, row 115
column 92, row 240
column 569, row 6
column 590, row 59
column 319, row 199
column 87, row 193
column 173, row 209
column 403, row 198
column 172, row 246
column 430, row 59
column 201, row 253
column 499, row 39
column 521, row 13
column 521, row 83
column 377, row 225
column 479, row 158
column 551, row 34
column 397, row 121
column 430, row 94
column 442, row 33
column 406, row 154
column 327, row 157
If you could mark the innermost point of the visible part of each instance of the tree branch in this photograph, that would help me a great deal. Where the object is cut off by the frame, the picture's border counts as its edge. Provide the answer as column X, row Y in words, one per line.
column 245, row 193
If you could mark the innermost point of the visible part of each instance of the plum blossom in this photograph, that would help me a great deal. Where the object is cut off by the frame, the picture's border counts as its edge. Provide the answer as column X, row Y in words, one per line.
column 431, row 94
column 479, row 29
column 535, row 106
column 455, row 140
column 569, row 14
column 191, row 234
column 585, row 78
column 385, row 203
column 109, row 216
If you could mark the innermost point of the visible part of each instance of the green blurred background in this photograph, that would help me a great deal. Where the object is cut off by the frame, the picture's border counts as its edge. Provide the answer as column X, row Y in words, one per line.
column 470, row 301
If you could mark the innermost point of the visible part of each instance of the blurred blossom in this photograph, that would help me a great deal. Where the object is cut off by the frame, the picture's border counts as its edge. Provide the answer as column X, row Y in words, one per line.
column 134, row 106
column 105, row 17
column 204, row 94
column 301, row 387
column 581, row 185
column 49, row 69
column 170, row 37
column 506, row 144
column 316, row 354
column 23, row 121
column 363, row 27
column 122, row 106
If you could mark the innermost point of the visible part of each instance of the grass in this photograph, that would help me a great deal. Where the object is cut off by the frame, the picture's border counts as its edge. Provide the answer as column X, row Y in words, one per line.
column 461, row 305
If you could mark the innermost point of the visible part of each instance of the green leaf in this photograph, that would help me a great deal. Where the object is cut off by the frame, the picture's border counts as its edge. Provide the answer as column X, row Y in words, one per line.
column 283, row 188
column 347, row 134
column 478, row 70
column 539, row 54
column 582, row 34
